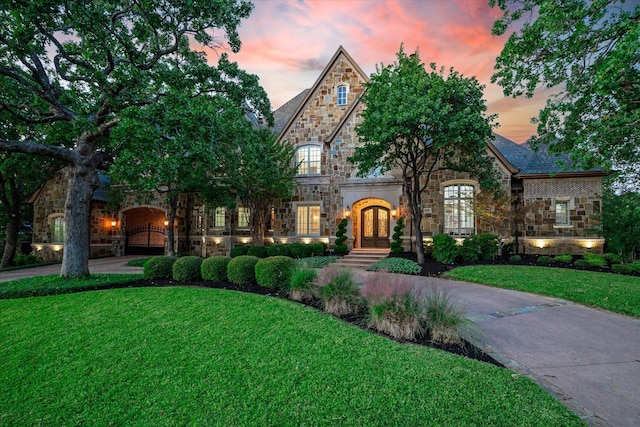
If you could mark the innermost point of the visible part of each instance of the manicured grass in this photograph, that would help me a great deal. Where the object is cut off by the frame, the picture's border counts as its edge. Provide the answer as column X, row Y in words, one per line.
column 613, row 292
column 54, row 285
column 195, row 356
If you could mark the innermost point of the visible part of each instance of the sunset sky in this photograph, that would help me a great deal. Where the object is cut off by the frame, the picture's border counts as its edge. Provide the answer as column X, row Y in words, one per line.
column 287, row 43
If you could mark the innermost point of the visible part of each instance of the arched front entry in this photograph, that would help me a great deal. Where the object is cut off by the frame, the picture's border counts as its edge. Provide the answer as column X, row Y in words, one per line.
column 371, row 223
column 375, row 227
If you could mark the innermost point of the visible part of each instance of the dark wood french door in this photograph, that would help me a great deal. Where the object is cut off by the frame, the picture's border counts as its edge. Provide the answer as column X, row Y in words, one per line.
column 375, row 227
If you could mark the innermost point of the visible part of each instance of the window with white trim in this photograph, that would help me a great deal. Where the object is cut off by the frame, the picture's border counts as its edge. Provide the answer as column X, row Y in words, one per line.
column 219, row 217
column 243, row 217
column 57, row 229
column 562, row 209
column 459, row 218
column 308, row 220
column 308, row 159
column 342, row 95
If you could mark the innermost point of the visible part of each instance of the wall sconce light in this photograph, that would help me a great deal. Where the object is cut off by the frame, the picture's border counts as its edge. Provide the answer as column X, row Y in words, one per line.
column 347, row 211
column 166, row 222
column 394, row 212
column 114, row 222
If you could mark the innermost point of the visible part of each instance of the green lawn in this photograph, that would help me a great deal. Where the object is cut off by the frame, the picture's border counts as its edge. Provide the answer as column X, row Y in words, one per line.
column 194, row 356
column 613, row 292
column 54, row 284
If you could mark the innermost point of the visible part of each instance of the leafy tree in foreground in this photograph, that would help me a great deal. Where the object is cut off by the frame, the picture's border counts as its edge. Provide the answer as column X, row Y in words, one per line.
column 589, row 51
column 620, row 223
column 420, row 122
column 263, row 171
column 83, row 63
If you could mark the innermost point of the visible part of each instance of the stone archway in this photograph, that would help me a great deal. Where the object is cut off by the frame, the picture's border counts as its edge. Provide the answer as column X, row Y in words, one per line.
column 371, row 223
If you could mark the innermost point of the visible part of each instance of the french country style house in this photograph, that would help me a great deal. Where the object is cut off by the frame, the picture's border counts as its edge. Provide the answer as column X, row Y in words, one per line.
column 552, row 208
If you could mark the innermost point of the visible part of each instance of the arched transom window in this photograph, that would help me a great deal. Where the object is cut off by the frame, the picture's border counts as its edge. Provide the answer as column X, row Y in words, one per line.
column 458, row 209
column 308, row 159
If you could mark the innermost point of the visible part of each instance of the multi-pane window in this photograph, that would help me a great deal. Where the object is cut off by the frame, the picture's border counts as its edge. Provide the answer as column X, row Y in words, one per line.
column 308, row 159
column 219, row 217
column 562, row 212
column 243, row 217
column 342, row 95
column 57, row 229
column 458, row 209
column 308, row 220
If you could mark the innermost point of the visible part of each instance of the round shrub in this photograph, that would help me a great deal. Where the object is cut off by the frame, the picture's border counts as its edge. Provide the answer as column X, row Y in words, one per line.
column 545, row 260
column 241, row 270
column 275, row 272
column 187, row 269
column 258, row 250
column 515, row 258
column 317, row 249
column 238, row 251
column 489, row 244
column 612, row 258
column 566, row 258
column 280, row 249
column 159, row 267
column 471, row 248
column 300, row 250
column 582, row 263
column 215, row 268
column 445, row 249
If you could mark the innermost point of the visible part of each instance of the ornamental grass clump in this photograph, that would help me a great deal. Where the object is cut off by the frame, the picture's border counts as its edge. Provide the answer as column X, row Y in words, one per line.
column 302, row 286
column 340, row 292
column 215, row 268
column 187, row 269
column 274, row 272
column 394, row 307
column 445, row 318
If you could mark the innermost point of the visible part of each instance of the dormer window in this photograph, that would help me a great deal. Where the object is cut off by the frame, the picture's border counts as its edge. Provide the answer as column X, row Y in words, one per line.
column 342, row 95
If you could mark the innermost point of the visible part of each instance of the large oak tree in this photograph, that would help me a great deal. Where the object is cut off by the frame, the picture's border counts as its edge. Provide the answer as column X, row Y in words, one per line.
column 83, row 63
column 421, row 121
column 588, row 53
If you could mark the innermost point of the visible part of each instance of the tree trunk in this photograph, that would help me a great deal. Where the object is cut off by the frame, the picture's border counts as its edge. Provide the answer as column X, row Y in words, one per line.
column 82, row 180
column 188, row 222
column 10, row 245
column 173, row 207
column 412, row 189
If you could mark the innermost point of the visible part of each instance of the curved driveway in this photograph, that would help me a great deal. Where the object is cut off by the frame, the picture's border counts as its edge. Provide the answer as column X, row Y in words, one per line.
column 588, row 358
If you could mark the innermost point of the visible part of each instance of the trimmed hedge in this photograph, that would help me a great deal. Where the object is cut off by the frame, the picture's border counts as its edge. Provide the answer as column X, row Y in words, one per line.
column 187, row 268
column 238, row 251
column 278, row 250
column 274, row 272
column 159, row 267
column 259, row 250
column 215, row 268
column 241, row 270
column 300, row 250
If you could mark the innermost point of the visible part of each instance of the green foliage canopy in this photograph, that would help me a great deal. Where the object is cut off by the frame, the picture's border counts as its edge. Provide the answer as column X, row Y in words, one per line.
column 589, row 53
column 422, row 121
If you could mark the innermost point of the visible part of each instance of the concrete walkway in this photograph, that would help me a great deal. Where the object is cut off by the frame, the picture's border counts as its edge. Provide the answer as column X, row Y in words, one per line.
column 587, row 358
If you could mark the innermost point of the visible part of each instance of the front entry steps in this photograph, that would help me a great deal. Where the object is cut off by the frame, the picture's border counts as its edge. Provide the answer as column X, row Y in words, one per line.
column 361, row 259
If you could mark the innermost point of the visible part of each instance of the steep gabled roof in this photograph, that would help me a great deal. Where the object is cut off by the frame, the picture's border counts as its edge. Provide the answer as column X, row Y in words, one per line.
column 319, row 80
column 282, row 115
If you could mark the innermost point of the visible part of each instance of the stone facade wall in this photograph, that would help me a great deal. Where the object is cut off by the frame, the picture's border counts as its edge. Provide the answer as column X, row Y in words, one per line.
column 542, row 235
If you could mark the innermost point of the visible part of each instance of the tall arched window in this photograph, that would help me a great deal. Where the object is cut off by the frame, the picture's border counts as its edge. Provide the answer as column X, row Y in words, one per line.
column 342, row 95
column 308, row 158
column 57, row 229
column 458, row 209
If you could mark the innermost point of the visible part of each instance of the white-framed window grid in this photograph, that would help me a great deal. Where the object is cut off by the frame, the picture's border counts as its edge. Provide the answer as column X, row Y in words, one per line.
column 243, row 217
column 308, row 159
column 342, row 94
column 219, row 217
column 308, row 220
column 57, row 229
column 562, row 210
column 459, row 218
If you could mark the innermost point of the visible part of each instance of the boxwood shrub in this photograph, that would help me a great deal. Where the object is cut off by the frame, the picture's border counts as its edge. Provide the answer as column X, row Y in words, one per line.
column 159, row 267
column 317, row 249
column 187, row 268
column 544, row 259
column 445, row 249
column 258, row 250
column 279, row 249
column 515, row 258
column 299, row 250
column 241, row 270
column 275, row 272
column 215, row 268
column 238, row 251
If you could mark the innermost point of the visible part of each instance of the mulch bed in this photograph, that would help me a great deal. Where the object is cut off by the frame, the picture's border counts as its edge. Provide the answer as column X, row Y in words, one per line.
column 465, row 349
